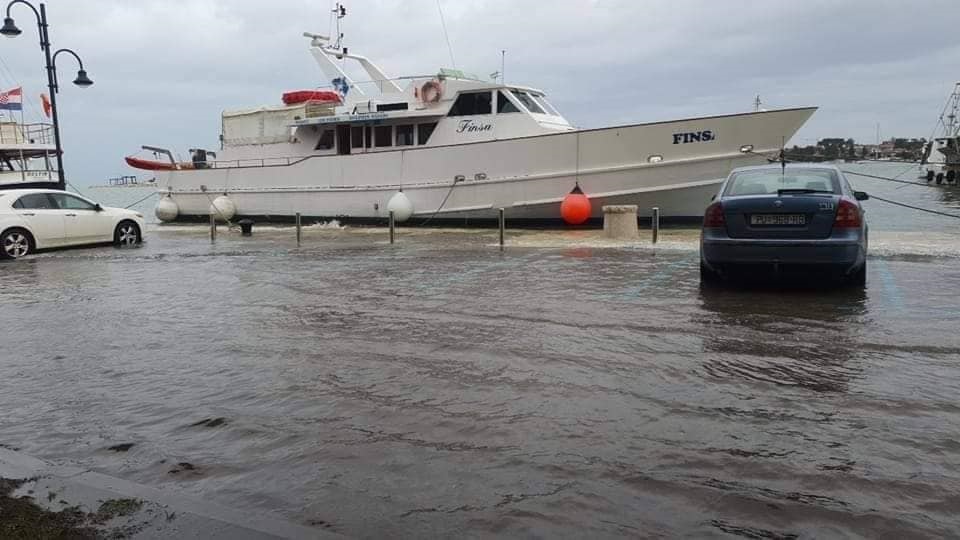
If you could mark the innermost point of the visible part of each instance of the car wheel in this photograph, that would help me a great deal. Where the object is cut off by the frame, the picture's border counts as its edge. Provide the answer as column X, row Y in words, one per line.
column 15, row 244
column 859, row 277
column 707, row 276
column 126, row 234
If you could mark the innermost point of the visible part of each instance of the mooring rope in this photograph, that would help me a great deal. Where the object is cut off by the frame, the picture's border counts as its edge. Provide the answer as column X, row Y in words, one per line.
column 910, row 206
column 141, row 200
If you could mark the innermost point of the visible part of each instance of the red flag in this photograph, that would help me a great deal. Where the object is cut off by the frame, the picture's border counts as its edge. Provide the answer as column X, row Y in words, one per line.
column 45, row 102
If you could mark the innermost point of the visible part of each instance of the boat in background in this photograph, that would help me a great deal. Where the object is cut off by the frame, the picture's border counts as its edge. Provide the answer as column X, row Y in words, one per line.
column 941, row 157
column 28, row 156
column 452, row 147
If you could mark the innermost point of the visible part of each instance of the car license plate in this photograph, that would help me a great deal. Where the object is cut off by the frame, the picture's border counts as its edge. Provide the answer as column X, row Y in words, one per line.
column 778, row 219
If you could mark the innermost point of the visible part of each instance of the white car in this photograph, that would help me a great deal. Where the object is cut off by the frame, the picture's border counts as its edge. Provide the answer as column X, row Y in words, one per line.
column 35, row 219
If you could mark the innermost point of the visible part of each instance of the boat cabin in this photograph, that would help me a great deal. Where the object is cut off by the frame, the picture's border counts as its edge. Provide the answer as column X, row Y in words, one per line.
column 27, row 154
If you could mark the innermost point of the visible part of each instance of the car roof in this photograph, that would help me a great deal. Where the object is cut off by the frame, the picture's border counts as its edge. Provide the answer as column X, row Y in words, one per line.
column 18, row 192
column 778, row 166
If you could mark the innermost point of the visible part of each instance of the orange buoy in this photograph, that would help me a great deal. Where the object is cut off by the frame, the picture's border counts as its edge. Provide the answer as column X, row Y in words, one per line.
column 575, row 208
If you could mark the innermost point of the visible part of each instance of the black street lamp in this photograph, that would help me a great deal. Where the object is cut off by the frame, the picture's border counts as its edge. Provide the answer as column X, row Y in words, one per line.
column 10, row 30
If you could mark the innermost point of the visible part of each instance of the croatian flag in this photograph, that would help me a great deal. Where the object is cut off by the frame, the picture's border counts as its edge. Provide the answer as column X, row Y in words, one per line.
column 12, row 100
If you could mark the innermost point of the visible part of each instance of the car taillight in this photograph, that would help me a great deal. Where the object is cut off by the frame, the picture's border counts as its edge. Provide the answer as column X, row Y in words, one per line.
column 848, row 215
column 713, row 217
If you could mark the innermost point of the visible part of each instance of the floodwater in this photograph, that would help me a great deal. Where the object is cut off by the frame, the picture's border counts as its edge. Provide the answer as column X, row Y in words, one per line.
column 565, row 387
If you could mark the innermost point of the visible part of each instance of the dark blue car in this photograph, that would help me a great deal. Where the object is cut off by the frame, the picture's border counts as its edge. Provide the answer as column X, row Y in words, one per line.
column 799, row 218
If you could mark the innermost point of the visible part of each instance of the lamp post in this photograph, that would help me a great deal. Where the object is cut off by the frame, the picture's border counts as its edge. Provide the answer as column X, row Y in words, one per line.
column 10, row 30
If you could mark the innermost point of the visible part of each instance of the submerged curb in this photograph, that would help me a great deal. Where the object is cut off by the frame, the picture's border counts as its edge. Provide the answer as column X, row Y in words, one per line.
column 135, row 510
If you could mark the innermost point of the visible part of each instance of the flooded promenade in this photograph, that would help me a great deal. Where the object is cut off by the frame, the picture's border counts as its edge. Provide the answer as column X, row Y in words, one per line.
column 565, row 387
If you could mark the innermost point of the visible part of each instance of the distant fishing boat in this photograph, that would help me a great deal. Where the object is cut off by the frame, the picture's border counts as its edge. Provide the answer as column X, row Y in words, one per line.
column 451, row 146
column 941, row 157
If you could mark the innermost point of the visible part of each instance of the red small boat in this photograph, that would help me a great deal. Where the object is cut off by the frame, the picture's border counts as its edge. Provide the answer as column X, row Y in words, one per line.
column 302, row 96
column 150, row 165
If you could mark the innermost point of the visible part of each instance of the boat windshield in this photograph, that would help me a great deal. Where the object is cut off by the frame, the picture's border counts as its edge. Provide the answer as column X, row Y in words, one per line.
column 528, row 102
column 542, row 101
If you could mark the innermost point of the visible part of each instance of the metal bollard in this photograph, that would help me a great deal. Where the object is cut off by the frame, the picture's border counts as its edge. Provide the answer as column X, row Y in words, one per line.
column 299, row 228
column 503, row 223
column 392, row 227
column 213, row 228
column 655, row 224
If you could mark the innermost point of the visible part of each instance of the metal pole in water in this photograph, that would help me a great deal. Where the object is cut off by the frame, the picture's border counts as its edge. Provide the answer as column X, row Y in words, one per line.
column 392, row 227
column 298, row 229
column 213, row 227
column 502, row 227
column 655, row 223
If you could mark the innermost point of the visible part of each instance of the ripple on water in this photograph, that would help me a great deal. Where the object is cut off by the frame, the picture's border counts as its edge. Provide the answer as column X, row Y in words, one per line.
column 440, row 387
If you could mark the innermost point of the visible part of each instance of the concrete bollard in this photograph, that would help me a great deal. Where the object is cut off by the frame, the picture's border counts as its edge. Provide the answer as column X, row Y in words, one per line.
column 655, row 223
column 620, row 222
column 246, row 227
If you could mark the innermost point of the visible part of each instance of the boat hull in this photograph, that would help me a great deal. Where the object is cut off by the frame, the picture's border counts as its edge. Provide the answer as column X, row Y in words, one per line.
column 650, row 165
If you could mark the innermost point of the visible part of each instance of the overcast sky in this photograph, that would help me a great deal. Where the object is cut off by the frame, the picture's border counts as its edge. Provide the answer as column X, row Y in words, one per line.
column 164, row 70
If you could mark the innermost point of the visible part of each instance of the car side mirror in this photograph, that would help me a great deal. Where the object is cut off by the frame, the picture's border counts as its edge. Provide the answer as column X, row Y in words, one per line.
column 98, row 208
column 860, row 195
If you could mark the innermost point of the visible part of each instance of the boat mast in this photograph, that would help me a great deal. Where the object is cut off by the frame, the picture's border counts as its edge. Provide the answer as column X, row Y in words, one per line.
column 951, row 125
column 324, row 52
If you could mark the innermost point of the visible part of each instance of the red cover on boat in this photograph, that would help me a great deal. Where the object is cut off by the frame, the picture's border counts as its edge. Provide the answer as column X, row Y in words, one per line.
column 301, row 96
column 149, row 165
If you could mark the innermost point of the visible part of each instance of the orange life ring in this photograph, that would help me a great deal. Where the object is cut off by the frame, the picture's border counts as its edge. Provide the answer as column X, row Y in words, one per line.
column 431, row 92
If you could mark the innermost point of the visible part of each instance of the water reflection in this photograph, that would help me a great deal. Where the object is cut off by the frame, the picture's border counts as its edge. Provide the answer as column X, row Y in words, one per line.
column 950, row 196
column 802, row 337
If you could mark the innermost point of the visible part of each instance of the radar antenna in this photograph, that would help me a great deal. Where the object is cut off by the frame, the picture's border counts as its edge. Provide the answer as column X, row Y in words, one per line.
column 339, row 11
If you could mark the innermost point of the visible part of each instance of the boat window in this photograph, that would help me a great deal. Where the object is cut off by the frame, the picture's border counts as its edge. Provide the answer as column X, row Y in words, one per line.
column 542, row 101
column 424, row 131
column 383, row 136
column 70, row 202
column 472, row 103
column 405, row 135
column 356, row 136
column 392, row 107
column 504, row 105
column 36, row 201
column 326, row 140
column 527, row 101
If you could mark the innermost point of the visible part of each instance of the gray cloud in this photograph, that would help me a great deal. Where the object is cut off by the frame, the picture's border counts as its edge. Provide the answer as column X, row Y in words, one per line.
column 164, row 70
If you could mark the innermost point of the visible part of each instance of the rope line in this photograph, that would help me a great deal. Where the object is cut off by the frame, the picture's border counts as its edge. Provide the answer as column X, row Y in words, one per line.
column 141, row 200
column 443, row 23
column 927, row 210
column 885, row 178
column 449, row 192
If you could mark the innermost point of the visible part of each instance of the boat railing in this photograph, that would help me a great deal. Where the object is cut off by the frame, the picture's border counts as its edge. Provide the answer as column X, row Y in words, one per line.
column 124, row 180
column 254, row 162
column 16, row 133
column 378, row 84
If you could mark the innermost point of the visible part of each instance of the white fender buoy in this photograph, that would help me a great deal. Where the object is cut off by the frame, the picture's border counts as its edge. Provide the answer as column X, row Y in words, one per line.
column 167, row 209
column 401, row 207
column 223, row 208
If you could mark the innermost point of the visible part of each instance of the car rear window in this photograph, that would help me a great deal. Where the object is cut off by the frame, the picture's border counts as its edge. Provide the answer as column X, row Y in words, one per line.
column 769, row 181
